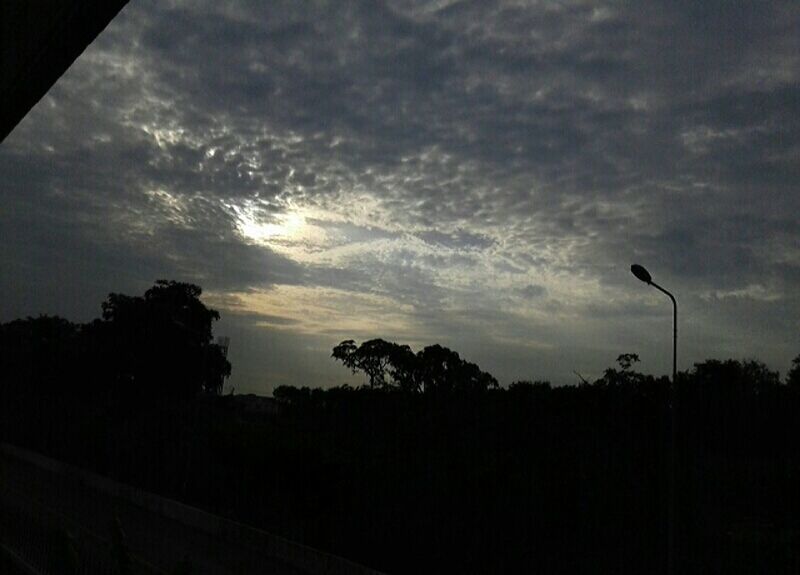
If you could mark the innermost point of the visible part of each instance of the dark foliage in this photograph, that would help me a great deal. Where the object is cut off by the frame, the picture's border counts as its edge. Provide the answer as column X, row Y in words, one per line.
column 472, row 479
column 144, row 349
column 793, row 377
column 435, row 369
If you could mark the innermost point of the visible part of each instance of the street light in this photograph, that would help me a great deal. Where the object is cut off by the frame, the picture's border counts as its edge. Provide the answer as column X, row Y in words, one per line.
column 645, row 276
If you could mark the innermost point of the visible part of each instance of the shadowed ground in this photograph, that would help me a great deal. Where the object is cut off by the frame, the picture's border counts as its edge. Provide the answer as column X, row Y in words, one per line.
column 40, row 507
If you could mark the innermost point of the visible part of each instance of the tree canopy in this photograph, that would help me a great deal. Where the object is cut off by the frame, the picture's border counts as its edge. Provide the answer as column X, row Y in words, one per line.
column 434, row 369
column 793, row 377
column 152, row 346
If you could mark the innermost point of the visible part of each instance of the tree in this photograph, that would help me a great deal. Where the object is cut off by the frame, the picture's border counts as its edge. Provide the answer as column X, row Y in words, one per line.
column 625, row 375
column 345, row 352
column 435, row 368
column 404, row 369
column 180, row 302
column 371, row 357
column 626, row 360
column 733, row 377
column 161, row 343
column 793, row 377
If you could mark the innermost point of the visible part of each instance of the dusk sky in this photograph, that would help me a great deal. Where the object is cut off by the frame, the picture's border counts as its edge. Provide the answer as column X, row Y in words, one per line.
column 475, row 174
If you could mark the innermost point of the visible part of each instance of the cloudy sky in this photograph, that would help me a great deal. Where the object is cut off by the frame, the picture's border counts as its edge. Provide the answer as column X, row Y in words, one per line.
column 478, row 174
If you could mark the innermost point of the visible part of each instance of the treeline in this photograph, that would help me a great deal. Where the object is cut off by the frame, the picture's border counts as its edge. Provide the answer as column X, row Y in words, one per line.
column 570, row 479
column 430, row 466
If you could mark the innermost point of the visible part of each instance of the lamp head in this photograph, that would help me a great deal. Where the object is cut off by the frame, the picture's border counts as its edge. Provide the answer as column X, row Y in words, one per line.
column 641, row 273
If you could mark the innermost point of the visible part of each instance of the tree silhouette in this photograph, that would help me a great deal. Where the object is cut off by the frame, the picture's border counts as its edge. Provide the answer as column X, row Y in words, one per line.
column 625, row 375
column 733, row 377
column 158, row 345
column 443, row 371
column 433, row 369
column 404, row 369
column 162, row 342
column 626, row 360
column 793, row 377
column 372, row 357
column 345, row 352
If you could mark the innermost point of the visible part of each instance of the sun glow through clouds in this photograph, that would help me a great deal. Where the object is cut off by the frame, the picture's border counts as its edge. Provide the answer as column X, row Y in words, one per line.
column 292, row 231
column 285, row 226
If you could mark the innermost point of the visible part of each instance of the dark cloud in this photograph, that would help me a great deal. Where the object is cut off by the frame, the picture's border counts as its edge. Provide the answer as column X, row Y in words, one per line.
column 533, row 291
column 457, row 158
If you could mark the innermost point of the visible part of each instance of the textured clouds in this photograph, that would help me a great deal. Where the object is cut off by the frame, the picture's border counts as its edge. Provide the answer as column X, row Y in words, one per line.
column 479, row 174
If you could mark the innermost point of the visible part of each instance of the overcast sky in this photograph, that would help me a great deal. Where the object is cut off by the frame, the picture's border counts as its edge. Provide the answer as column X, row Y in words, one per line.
column 476, row 174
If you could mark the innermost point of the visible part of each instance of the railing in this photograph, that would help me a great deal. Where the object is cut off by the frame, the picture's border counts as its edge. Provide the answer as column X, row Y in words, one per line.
column 59, row 519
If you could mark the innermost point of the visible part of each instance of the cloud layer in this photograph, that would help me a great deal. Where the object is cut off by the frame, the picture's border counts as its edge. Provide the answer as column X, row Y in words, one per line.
column 479, row 174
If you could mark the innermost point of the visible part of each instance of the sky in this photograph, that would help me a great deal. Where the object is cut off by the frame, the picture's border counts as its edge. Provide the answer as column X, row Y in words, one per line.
column 479, row 174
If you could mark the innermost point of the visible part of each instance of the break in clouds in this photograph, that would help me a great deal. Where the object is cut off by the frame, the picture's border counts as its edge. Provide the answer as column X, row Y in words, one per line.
column 477, row 174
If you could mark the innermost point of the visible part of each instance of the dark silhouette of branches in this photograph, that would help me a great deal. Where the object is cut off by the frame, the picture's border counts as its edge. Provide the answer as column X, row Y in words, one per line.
column 793, row 377
column 434, row 369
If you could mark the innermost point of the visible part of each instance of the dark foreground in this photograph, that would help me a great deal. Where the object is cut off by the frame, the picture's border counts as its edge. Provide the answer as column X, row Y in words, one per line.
column 56, row 518
column 532, row 479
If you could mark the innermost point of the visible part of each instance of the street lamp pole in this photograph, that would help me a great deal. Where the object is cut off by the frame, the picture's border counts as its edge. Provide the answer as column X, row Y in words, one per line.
column 674, row 330
column 645, row 276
